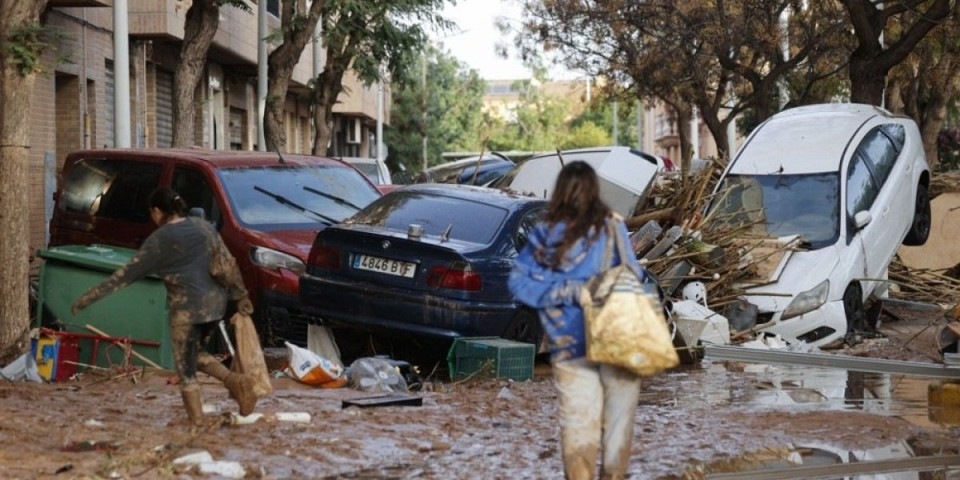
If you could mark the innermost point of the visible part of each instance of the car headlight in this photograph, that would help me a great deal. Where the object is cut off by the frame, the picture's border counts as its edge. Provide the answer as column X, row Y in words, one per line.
column 807, row 301
column 269, row 258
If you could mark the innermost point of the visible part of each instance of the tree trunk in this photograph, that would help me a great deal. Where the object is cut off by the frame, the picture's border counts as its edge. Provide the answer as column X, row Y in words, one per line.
column 16, row 87
column 281, row 63
column 718, row 128
column 203, row 18
column 328, row 86
column 324, row 98
column 866, row 80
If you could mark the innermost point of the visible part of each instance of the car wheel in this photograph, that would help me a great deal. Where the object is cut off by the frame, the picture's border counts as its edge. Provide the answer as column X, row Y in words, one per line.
column 853, row 309
column 524, row 327
column 920, row 229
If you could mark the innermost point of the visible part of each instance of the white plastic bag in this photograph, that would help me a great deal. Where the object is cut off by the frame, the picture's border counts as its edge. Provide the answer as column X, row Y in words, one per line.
column 312, row 369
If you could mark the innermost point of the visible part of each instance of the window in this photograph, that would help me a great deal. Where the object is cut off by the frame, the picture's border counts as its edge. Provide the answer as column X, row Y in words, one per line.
column 195, row 190
column 295, row 197
column 861, row 190
column 468, row 220
column 530, row 220
column 880, row 152
column 114, row 189
column 273, row 7
column 896, row 134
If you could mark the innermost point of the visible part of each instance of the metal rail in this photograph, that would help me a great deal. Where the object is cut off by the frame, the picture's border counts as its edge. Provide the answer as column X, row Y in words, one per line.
column 918, row 464
column 860, row 364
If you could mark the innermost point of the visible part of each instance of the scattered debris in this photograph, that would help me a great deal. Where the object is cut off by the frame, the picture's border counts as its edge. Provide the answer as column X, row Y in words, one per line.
column 90, row 446
column 207, row 465
column 384, row 401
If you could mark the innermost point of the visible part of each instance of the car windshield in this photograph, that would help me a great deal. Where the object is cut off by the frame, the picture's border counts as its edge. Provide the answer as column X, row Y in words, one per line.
column 783, row 205
column 274, row 198
column 468, row 220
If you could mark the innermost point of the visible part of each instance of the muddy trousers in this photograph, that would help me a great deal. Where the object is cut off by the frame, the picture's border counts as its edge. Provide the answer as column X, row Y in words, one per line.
column 188, row 356
column 597, row 407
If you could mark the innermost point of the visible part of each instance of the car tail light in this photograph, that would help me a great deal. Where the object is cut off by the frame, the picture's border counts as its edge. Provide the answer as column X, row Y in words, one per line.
column 455, row 277
column 325, row 257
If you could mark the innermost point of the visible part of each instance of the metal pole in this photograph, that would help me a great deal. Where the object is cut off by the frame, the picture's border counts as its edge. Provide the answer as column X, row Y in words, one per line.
column 121, row 66
column 695, row 133
column 616, row 124
column 380, row 152
column 317, row 70
column 785, row 49
column 639, row 125
column 261, row 72
column 423, row 98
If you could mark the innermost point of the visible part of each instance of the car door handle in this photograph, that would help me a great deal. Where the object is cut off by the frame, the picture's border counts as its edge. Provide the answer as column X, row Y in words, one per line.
column 886, row 210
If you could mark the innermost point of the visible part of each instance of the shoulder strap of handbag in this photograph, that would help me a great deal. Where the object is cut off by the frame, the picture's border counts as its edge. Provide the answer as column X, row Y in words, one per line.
column 620, row 245
column 610, row 229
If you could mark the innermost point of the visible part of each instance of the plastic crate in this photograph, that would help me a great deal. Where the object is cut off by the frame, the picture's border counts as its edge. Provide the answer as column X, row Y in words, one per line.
column 506, row 358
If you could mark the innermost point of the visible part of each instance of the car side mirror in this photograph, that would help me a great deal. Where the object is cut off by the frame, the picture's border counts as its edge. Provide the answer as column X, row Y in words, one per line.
column 861, row 219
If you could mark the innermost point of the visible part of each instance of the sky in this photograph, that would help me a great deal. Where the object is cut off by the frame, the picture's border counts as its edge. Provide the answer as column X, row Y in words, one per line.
column 475, row 41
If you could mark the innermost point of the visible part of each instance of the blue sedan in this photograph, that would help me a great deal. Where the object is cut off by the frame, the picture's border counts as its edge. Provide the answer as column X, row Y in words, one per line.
column 428, row 260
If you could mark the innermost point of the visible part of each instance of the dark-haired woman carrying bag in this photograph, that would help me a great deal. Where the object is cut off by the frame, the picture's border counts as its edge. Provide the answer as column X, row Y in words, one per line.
column 597, row 402
column 200, row 275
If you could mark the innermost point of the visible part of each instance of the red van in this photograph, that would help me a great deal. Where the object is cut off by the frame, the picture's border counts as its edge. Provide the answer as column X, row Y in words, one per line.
column 267, row 208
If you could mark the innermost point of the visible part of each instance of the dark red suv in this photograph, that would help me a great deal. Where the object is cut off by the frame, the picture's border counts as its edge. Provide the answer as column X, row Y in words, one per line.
column 268, row 210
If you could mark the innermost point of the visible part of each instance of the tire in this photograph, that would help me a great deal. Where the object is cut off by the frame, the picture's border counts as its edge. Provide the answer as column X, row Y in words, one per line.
column 853, row 309
column 524, row 327
column 920, row 229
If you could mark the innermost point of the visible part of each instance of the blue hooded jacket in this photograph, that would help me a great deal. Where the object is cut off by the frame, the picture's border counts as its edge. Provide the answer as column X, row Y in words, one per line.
column 555, row 292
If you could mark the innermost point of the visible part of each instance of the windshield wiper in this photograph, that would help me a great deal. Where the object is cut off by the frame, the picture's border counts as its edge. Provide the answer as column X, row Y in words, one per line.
column 296, row 206
column 340, row 200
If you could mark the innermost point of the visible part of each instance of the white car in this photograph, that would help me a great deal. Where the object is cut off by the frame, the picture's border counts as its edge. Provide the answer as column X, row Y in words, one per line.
column 851, row 181
column 626, row 175
column 376, row 170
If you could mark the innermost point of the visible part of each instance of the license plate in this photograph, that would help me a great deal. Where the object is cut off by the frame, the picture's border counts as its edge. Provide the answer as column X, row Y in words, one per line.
column 385, row 265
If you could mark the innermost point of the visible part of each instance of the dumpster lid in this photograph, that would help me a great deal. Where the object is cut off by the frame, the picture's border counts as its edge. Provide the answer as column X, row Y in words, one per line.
column 101, row 257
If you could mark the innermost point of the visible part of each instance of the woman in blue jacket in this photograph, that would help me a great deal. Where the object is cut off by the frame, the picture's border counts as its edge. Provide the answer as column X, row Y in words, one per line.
column 597, row 402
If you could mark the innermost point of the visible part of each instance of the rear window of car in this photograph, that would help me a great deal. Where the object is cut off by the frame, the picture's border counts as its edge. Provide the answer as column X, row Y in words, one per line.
column 468, row 220
column 271, row 198
column 109, row 188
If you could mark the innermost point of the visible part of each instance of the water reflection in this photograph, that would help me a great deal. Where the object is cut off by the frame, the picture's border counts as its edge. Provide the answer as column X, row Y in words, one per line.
column 800, row 388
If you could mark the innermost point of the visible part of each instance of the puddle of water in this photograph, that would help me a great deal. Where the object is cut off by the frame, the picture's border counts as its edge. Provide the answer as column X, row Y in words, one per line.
column 754, row 387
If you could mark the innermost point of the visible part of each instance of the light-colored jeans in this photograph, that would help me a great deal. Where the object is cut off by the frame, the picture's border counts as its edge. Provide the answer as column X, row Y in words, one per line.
column 597, row 407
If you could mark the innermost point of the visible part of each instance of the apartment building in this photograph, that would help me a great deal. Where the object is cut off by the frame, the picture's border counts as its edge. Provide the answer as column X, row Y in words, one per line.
column 73, row 98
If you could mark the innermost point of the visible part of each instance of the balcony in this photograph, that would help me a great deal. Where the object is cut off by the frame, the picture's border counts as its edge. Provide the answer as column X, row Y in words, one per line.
column 80, row 3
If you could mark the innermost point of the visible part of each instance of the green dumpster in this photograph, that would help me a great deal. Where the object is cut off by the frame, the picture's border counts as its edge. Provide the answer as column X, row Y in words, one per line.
column 137, row 312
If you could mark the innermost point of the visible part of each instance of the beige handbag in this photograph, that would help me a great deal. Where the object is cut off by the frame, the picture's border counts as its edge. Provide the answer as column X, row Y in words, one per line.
column 624, row 324
column 249, row 359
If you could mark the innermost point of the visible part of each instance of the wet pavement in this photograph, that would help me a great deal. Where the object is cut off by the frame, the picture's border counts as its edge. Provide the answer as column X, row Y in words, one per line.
column 719, row 420
column 756, row 388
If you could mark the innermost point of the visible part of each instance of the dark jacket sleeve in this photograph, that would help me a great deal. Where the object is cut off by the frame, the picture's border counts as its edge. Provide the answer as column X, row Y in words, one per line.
column 538, row 286
column 143, row 263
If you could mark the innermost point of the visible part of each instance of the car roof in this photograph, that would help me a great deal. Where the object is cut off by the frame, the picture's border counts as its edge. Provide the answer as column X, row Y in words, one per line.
column 810, row 139
column 214, row 158
column 490, row 196
column 468, row 162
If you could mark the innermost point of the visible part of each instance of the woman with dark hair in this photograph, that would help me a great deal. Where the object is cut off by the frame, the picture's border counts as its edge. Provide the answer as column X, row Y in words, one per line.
column 200, row 275
column 597, row 402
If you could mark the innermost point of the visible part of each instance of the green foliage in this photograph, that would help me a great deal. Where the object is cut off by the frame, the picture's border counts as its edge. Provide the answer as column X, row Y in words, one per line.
column 453, row 97
column 25, row 45
column 586, row 134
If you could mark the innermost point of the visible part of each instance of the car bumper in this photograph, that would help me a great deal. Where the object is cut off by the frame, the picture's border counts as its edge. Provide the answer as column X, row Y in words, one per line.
column 284, row 317
column 819, row 327
column 360, row 306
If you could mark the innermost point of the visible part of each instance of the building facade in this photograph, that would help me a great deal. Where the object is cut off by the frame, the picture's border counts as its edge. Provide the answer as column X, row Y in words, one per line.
column 73, row 97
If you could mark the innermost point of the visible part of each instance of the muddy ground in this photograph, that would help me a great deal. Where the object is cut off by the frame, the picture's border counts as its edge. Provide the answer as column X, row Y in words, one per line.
column 695, row 419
